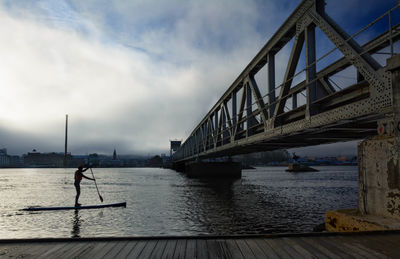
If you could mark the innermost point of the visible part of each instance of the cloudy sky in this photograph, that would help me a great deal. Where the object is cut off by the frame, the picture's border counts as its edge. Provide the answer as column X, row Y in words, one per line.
column 131, row 74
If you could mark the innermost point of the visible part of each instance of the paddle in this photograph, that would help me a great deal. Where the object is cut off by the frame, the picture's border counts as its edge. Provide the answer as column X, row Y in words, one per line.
column 101, row 198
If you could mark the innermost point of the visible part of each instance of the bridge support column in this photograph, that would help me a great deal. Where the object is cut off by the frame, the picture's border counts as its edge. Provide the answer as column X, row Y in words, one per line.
column 378, row 189
column 379, row 177
column 198, row 169
column 379, row 174
column 179, row 167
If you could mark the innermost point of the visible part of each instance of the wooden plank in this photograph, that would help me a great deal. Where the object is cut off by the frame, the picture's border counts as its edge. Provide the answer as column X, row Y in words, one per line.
column 244, row 248
column 392, row 236
column 233, row 249
column 225, row 253
column 107, row 248
column 180, row 248
column 277, row 247
column 304, row 249
column 28, row 250
column 374, row 248
column 348, row 248
column 148, row 249
column 288, row 248
column 40, row 248
column 92, row 250
column 54, row 249
column 201, row 247
column 258, row 253
column 21, row 251
column 169, row 249
column 364, row 250
column 135, row 252
column 159, row 249
column 54, row 253
column 77, row 249
column 127, row 249
column 338, row 245
column 214, row 249
column 384, row 244
column 94, row 245
column 393, row 239
column 330, row 246
column 319, row 246
column 190, row 249
column 32, row 249
column 116, row 249
column 266, row 248
column 67, row 250
column 10, row 249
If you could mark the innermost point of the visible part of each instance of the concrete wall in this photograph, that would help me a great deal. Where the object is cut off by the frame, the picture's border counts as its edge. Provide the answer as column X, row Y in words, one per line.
column 379, row 177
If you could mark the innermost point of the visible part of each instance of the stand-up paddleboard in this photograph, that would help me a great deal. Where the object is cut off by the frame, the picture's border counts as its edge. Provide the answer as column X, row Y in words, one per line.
column 121, row 204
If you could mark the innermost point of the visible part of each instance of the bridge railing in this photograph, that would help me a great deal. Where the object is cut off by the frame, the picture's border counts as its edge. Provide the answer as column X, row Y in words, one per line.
column 317, row 104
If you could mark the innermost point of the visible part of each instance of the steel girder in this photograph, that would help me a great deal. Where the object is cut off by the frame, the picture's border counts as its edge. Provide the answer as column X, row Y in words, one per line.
column 327, row 116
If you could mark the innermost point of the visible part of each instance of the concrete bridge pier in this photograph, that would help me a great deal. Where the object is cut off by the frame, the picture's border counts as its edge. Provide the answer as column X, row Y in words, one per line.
column 202, row 169
column 199, row 169
column 379, row 174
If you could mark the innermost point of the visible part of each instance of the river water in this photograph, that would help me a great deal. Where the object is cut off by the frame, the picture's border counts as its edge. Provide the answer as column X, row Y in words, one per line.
column 164, row 202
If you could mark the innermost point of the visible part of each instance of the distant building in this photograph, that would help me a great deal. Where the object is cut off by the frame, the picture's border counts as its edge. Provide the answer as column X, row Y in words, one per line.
column 77, row 161
column 114, row 162
column 4, row 158
column 9, row 160
column 37, row 159
column 15, row 161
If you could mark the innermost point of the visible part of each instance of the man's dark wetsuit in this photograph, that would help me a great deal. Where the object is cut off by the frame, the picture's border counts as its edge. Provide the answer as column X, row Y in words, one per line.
column 78, row 178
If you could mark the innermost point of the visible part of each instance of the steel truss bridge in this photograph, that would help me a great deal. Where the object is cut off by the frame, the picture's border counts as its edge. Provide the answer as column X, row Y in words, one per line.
column 244, row 121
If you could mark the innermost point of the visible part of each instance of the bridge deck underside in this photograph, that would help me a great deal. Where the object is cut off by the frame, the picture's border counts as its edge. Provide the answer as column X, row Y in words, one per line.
column 338, row 132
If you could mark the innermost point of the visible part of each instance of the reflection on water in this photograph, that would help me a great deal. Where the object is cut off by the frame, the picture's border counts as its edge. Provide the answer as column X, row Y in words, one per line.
column 208, row 204
column 76, row 225
column 163, row 202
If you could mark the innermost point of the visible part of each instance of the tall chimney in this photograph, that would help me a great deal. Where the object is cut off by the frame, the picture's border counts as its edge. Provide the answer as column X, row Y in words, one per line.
column 66, row 140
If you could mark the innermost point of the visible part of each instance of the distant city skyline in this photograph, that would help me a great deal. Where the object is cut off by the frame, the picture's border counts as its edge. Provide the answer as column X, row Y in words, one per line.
column 335, row 149
column 134, row 74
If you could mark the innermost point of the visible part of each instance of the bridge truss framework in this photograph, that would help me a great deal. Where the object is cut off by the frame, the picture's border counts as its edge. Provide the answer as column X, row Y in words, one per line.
column 245, row 121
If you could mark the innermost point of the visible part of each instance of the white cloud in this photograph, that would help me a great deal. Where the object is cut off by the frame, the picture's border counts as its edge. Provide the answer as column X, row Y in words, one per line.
column 116, row 96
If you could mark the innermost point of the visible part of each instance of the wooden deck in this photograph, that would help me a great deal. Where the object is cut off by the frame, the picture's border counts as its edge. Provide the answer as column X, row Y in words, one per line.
column 367, row 245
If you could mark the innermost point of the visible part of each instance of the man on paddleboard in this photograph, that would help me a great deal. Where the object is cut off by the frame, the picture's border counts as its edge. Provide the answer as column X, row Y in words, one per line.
column 78, row 178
